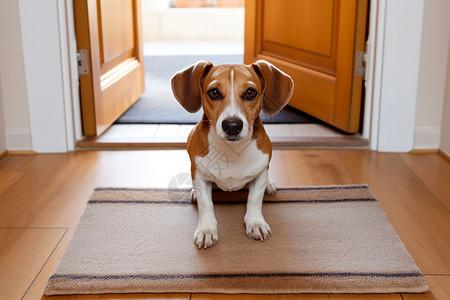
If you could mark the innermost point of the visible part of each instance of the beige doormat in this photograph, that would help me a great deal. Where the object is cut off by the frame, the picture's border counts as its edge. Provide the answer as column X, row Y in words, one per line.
column 329, row 239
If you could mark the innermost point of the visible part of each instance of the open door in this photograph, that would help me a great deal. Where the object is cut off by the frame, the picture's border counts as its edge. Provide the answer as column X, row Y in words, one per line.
column 318, row 43
column 109, row 41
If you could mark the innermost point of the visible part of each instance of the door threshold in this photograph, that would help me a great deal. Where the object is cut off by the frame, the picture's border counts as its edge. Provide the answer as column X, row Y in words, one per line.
column 180, row 143
column 150, row 136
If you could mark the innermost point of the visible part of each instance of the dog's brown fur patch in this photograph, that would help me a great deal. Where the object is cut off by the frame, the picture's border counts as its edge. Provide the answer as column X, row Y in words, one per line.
column 262, row 139
column 197, row 142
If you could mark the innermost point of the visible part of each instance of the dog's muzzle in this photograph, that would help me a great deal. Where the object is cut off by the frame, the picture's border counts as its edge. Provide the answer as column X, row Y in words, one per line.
column 232, row 127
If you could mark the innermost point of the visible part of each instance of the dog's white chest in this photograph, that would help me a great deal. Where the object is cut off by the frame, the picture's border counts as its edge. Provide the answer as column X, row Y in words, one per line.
column 231, row 165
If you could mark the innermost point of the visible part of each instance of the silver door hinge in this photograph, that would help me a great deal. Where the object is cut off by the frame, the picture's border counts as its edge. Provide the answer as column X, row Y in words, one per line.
column 361, row 60
column 83, row 65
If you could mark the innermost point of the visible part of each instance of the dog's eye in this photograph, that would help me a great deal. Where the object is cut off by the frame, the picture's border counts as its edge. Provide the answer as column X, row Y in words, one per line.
column 214, row 94
column 250, row 94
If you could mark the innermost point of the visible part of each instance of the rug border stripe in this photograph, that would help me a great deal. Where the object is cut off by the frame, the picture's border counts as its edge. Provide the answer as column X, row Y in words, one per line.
column 237, row 275
column 310, row 188
column 318, row 201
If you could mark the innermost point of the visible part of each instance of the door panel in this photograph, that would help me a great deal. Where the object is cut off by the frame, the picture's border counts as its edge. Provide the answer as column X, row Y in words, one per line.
column 313, row 30
column 116, row 28
column 315, row 41
column 110, row 31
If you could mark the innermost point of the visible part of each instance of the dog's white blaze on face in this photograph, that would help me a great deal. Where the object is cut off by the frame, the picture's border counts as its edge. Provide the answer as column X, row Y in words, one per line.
column 232, row 111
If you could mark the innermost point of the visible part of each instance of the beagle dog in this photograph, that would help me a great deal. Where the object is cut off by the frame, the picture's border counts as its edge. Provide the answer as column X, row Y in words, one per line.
column 229, row 146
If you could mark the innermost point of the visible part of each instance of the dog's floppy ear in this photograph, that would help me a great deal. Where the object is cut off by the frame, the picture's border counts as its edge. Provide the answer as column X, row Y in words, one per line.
column 277, row 87
column 187, row 85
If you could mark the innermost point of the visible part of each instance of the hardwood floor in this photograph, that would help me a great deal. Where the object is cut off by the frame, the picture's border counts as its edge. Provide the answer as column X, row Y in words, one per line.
column 42, row 197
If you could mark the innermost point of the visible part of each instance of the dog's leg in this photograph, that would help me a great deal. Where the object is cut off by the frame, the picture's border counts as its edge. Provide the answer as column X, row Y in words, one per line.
column 256, row 226
column 206, row 233
column 271, row 188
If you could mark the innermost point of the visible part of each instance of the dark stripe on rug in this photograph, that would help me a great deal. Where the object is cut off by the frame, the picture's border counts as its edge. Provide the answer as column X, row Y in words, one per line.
column 231, row 202
column 215, row 276
column 317, row 188
column 141, row 189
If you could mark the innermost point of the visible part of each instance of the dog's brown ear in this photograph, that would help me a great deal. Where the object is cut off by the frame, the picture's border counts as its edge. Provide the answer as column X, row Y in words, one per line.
column 187, row 85
column 277, row 87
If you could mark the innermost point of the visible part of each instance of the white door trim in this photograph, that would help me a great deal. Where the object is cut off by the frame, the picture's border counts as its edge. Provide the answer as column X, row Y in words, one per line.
column 50, row 63
column 73, row 106
column 394, row 56
column 372, row 79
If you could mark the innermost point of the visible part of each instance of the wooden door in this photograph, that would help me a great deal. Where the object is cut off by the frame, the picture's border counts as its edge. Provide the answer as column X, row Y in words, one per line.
column 314, row 41
column 111, row 33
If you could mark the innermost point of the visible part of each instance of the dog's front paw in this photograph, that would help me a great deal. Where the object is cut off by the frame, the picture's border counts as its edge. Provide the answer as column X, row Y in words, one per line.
column 271, row 188
column 193, row 196
column 257, row 227
column 205, row 235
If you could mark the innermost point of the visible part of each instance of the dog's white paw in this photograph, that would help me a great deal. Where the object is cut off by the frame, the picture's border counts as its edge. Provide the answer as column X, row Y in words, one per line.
column 271, row 188
column 193, row 196
column 257, row 227
column 205, row 235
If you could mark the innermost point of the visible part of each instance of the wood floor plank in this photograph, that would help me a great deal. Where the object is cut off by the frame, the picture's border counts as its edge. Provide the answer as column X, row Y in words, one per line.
column 439, row 289
column 36, row 290
column 53, row 191
column 434, row 171
column 8, row 178
column 15, row 162
column 298, row 297
column 307, row 167
column 152, row 168
column 23, row 252
column 420, row 219
column 155, row 168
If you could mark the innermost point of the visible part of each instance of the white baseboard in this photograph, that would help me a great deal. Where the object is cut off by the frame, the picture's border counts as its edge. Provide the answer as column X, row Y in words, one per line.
column 445, row 154
column 18, row 139
column 427, row 137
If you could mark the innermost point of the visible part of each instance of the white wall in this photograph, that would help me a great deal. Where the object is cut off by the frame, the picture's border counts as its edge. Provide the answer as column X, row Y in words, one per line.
column 400, row 73
column 162, row 23
column 35, row 75
column 445, row 126
column 12, row 76
column 192, row 24
column 47, row 72
column 432, row 73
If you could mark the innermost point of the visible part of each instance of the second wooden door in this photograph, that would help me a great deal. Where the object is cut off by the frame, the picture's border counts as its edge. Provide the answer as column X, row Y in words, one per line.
column 317, row 43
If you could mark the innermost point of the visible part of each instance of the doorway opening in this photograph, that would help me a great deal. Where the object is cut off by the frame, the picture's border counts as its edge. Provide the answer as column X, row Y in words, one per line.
column 178, row 33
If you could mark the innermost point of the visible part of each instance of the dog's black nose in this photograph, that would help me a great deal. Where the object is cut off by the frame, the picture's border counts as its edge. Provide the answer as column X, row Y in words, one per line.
column 232, row 126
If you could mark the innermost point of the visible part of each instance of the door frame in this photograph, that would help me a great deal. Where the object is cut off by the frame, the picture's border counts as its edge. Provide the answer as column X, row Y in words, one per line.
column 385, row 53
column 394, row 43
